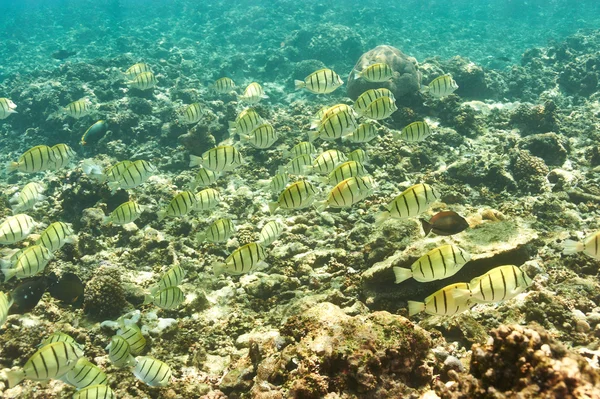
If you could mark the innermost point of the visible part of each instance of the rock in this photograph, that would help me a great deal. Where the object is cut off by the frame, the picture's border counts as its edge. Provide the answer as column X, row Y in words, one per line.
column 551, row 147
column 535, row 119
column 529, row 172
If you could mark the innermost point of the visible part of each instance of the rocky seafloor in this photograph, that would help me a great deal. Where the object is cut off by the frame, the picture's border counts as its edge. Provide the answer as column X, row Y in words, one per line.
column 516, row 152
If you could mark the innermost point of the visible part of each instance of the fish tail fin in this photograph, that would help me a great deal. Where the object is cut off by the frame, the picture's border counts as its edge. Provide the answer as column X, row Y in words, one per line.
column 14, row 377
column 415, row 307
column 148, row 299
column 106, row 220
column 426, row 226
column 401, row 274
column 381, row 217
column 307, row 169
column 299, row 84
column 200, row 237
column 161, row 215
column 424, row 89
column 357, row 74
column 323, row 179
column 232, row 127
column 273, row 207
column 8, row 273
column 571, row 247
column 218, row 268
column 196, row 160
column 312, row 136
column 11, row 167
column 154, row 290
column 320, row 206
column 113, row 186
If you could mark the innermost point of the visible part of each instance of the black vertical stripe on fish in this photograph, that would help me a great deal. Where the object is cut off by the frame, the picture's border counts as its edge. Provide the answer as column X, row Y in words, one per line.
column 503, row 284
column 492, row 287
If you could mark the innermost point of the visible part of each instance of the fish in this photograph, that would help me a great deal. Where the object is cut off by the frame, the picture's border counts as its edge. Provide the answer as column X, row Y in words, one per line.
column 26, row 198
column 366, row 98
column 26, row 296
column 326, row 112
column 297, row 165
column 85, row 374
column 270, row 232
column 375, row 73
column 31, row 261
column 207, row 199
column 323, row 81
column 445, row 223
column 63, row 155
column 326, row 162
column 499, row 284
column 62, row 54
column 359, row 155
column 5, row 303
column 94, row 133
column 204, row 177
column 297, row 195
column 279, row 181
column 381, row 108
column 152, row 372
column 143, row 81
column 348, row 192
column 303, row 147
column 127, row 212
column 137, row 173
column 169, row 298
column 136, row 69
column 441, row 86
column 7, row 107
column 335, row 126
column 410, row 203
column 245, row 122
column 364, row 133
column 192, row 113
column 223, row 85
column 79, row 108
column 253, row 94
column 262, row 137
column 218, row 231
column 244, row 259
column 69, row 290
column 219, row 159
column 413, row 133
column 344, row 171
column 182, row 204
column 590, row 246
column 439, row 263
column 172, row 278
column 36, row 159
column 56, row 235
column 49, row 362
column 57, row 337
column 134, row 337
column 441, row 302
column 98, row 391
column 16, row 228
column 118, row 352
column 110, row 174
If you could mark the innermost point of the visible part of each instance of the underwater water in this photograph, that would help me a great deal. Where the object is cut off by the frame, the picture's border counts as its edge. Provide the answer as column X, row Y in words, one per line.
column 299, row 199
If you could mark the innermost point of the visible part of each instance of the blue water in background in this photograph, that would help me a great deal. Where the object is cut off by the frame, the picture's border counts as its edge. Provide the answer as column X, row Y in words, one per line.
column 491, row 33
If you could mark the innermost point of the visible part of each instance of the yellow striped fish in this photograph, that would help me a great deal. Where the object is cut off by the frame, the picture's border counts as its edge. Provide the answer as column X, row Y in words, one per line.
column 118, row 352
column 262, row 137
column 323, row 81
column 244, row 259
column 326, row 162
column 137, row 173
column 375, row 73
column 279, row 181
column 57, row 337
column 63, row 154
column 182, row 204
column 437, row 264
column 114, row 173
column 326, row 112
column 169, row 298
column 56, row 235
column 499, row 284
column 364, row 133
column 298, row 195
column 36, row 159
column 348, row 192
column 192, row 113
column 345, row 171
column 335, row 126
column 381, row 108
column 143, row 81
column 442, row 302
column 5, row 304
column 127, row 212
column 85, row 374
column 134, row 337
column 78, row 109
column 590, row 246
column 204, row 177
column 245, row 122
column 110, row 174
column 416, row 131
column 359, row 156
column 50, row 361
column 441, row 86
column 30, row 262
column 26, row 199
column 218, row 231
column 298, row 165
column 7, row 107
column 172, row 278
column 412, row 202
column 98, row 391
column 223, row 85
column 303, row 147
column 219, row 159
column 152, row 372
column 270, row 232
column 253, row 94
column 207, row 199
column 366, row 98
column 16, row 228
column 136, row 69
